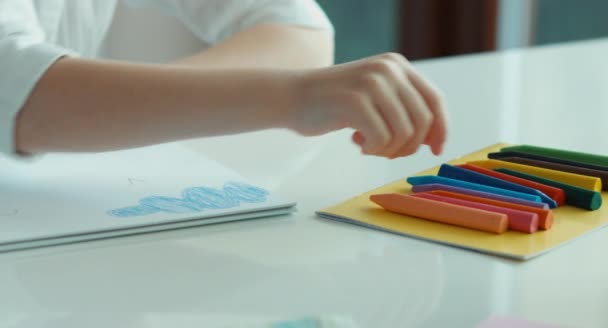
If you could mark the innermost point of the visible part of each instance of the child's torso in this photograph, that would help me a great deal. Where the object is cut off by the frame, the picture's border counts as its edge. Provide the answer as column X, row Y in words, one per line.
column 79, row 25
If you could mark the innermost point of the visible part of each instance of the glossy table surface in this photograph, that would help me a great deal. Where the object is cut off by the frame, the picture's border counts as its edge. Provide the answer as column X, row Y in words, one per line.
column 244, row 273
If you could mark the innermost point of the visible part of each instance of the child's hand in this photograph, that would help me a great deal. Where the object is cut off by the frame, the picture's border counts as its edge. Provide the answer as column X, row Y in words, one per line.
column 392, row 108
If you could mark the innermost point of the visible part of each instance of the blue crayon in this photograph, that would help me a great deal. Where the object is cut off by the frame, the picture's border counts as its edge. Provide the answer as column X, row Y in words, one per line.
column 471, row 192
column 458, row 173
column 429, row 179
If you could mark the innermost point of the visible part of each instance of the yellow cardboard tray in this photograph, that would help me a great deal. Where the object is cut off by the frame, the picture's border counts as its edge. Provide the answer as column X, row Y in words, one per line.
column 569, row 222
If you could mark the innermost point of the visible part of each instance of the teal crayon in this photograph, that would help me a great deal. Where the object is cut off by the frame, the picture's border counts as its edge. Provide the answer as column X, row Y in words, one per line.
column 560, row 153
column 575, row 196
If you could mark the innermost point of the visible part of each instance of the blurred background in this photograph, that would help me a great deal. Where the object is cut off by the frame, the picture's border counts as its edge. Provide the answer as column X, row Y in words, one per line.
column 420, row 29
column 434, row 28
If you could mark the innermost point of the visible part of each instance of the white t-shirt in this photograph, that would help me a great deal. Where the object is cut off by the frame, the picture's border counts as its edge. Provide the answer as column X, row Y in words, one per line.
column 35, row 33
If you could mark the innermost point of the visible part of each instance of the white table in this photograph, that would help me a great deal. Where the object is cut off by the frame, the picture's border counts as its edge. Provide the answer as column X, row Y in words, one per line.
column 299, row 265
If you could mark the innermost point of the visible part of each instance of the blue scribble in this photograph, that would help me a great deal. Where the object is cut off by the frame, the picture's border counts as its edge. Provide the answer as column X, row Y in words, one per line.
column 196, row 199
column 245, row 192
column 211, row 198
column 169, row 204
column 139, row 210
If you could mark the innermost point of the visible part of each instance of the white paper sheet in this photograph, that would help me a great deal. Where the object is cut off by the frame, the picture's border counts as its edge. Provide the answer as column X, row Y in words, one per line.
column 77, row 196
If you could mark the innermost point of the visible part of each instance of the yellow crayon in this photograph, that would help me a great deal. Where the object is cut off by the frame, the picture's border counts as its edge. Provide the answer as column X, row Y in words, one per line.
column 582, row 181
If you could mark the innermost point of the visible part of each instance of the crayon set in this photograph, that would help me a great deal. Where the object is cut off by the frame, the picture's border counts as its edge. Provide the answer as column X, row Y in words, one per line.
column 516, row 188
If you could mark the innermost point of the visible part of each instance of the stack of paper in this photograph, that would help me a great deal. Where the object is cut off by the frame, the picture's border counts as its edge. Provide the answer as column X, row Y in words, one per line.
column 66, row 198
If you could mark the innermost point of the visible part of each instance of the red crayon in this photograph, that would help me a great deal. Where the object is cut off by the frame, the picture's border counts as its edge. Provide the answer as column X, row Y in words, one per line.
column 555, row 193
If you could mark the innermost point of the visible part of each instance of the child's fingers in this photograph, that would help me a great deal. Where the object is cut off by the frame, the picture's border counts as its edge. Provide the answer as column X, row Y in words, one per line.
column 392, row 108
column 394, row 114
column 414, row 106
column 420, row 115
column 368, row 120
column 438, row 131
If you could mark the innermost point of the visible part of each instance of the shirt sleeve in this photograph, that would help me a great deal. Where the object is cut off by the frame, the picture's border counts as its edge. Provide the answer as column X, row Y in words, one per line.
column 24, row 57
column 215, row 20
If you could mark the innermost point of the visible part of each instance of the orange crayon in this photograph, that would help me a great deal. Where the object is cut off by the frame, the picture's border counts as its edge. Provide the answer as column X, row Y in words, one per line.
column 545, row 217
column 443, row 212
column 521, row 221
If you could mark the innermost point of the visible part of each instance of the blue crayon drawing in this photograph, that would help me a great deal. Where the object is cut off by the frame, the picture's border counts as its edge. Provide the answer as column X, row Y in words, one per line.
column 195, row 199
column 206, row 197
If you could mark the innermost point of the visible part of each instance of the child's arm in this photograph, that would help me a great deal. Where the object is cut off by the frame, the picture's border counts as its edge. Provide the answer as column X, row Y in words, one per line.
column 86, row 105
column 269, row 46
